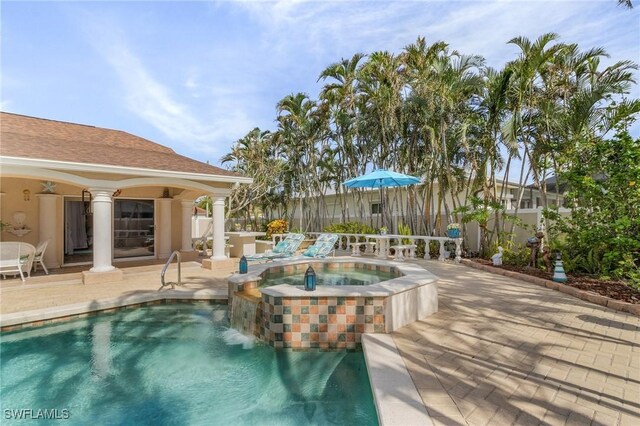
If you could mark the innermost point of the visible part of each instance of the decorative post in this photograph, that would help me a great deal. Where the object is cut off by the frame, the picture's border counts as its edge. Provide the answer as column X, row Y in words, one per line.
column 441, row 258
column 101, row 202
column 458, row 250
column 426, row 256
column 217, row 203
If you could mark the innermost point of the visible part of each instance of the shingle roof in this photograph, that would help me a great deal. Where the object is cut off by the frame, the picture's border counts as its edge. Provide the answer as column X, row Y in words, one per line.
column 38, row 138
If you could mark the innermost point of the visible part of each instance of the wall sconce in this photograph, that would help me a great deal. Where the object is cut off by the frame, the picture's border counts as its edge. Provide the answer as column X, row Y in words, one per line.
column 26, row 195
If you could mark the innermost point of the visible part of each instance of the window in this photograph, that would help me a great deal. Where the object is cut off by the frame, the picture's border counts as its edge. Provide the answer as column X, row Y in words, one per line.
column 376, row 208
column 133, row 228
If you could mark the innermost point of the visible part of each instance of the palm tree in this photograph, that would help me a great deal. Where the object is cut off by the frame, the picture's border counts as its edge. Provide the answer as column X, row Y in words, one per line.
column 253, row 155
column 341, row 95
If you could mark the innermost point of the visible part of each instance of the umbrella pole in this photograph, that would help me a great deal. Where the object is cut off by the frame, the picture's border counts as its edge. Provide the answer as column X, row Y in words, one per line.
column 382, row 207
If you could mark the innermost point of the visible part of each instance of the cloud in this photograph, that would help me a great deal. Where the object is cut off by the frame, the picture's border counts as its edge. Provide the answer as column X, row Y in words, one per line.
column 329, row 30
column 479, row 27
column 208, row 131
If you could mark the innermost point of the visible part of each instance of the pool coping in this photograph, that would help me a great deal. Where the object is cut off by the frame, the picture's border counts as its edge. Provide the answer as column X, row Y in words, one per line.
column 395, row 395
column 412, row 276
column 37, row 316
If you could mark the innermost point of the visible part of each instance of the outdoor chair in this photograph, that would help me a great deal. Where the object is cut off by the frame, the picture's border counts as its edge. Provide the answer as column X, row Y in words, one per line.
column 285, row 248
column 16, row 258
column 39, row 257
column 322, row 247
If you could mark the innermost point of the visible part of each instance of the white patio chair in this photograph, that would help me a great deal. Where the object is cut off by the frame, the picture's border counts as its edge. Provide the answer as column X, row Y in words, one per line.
column 39, row 257
column 16, row 258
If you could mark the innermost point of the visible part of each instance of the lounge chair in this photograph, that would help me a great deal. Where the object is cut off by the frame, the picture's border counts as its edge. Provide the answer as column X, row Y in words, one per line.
column 323, row 246
column 285, row 248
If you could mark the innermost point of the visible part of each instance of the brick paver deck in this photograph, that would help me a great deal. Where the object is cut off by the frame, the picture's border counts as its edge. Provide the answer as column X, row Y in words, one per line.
column 503, row 352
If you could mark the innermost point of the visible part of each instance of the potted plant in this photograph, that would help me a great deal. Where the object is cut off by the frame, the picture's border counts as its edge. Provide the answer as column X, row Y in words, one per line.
column 383, row 230
column 453, row 230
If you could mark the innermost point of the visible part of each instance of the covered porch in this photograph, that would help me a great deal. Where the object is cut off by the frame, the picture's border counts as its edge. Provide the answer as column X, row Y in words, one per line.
column 101, row 221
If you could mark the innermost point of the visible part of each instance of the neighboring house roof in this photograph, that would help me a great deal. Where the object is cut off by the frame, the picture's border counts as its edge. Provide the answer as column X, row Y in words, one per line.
column 38, row 138
column 550, row 183
column 199, row 211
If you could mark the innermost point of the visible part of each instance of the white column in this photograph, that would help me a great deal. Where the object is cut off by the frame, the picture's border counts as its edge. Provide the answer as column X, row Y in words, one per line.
column 48, row 227
column 163, row 230
column 187, row 210
column 102, row 230
column 217, row 202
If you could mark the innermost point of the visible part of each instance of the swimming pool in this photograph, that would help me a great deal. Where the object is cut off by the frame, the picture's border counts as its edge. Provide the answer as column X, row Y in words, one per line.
column 169, row 364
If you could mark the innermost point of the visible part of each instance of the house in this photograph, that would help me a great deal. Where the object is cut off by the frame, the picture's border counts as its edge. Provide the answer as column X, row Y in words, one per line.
column 368, row 209
column 102, row 196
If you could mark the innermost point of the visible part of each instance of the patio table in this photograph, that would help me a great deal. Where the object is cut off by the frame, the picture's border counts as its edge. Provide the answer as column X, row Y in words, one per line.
column 382, row 243
column 243, row 243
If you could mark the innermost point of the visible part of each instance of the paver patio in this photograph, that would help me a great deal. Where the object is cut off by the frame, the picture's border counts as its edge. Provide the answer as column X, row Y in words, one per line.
column 43, row 292
column 501, row 352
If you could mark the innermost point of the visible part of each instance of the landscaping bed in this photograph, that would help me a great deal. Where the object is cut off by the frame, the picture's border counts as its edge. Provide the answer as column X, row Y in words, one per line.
column 611, row 289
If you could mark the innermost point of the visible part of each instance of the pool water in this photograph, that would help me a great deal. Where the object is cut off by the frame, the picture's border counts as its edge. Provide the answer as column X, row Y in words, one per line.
column 169, row 365
column 326, row 277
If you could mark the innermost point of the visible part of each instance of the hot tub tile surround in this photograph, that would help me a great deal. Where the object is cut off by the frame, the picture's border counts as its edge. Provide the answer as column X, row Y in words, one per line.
column 335, row 317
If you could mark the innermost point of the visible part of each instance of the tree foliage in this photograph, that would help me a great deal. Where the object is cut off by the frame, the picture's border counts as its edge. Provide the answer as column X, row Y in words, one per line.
column 603, row 231
column 435, row 112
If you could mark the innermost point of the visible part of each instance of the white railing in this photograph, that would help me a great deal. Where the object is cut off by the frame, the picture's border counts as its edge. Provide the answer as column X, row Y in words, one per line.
column 383, row 243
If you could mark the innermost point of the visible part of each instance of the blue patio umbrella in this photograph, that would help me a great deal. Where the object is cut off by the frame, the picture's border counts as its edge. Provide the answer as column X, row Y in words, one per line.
column 381, row 179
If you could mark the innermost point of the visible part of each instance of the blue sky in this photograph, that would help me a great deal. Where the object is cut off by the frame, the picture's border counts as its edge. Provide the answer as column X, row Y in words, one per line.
column 196, row 76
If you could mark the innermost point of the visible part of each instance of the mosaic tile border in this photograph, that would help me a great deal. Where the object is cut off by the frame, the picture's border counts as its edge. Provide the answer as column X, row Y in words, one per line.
column 319, row 322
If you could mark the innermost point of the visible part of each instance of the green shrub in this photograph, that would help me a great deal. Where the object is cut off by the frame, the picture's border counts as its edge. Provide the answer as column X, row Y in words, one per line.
column 604, row 197
column 350, row 228
column 198, row 245
column 517, row 256
column 404, row 230
column 434, row 249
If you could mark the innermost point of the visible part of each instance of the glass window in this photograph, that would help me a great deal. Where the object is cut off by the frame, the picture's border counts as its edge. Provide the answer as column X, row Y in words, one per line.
column 133, row 228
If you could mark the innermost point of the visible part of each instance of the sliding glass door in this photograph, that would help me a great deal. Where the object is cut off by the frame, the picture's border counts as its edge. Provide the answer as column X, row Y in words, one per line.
column 133, row 228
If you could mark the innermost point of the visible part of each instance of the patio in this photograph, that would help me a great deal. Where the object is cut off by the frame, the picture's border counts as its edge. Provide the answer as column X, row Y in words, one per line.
column 499, row 351
column 60, row 289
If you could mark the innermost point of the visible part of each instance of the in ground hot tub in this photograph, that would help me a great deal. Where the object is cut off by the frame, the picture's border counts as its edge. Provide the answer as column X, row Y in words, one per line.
column 352, row 297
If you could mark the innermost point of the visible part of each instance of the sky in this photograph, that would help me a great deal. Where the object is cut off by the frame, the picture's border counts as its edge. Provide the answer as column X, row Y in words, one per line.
column 196, row 76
